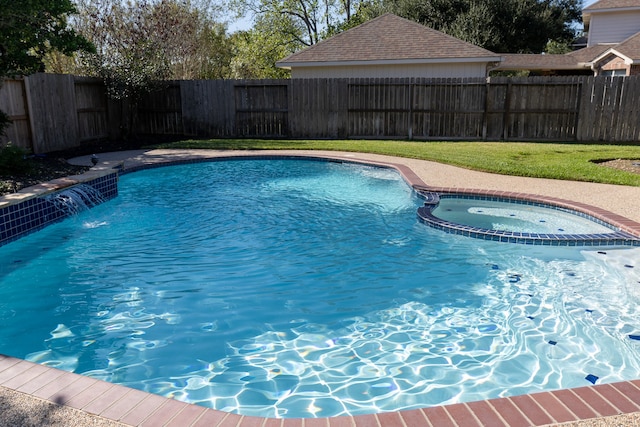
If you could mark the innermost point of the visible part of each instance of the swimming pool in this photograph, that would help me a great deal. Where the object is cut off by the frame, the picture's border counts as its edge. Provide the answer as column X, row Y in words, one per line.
column 189, row 285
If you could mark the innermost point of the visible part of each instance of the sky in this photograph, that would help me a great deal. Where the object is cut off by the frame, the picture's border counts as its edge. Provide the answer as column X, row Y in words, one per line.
column 241, row 24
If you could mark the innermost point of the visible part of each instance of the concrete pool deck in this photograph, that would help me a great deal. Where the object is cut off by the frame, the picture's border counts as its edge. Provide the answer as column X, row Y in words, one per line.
column 32, row 394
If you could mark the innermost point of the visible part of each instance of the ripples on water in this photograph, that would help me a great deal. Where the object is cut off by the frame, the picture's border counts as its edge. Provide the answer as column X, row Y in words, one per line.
column 301, row 289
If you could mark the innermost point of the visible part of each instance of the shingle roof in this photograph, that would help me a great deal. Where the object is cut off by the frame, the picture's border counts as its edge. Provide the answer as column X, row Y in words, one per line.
column 630, row 47
column 388, row 38
column 575, row 60
column 538, row 62
column 612, row 4
column 588, row 54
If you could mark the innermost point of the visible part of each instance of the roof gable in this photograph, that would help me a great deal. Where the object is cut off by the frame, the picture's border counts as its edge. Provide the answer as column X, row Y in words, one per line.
column 629, row 50
column 630, row 47
column 388, row 38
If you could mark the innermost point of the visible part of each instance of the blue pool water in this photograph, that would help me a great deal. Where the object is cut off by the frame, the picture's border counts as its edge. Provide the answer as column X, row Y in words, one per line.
column 288, row 288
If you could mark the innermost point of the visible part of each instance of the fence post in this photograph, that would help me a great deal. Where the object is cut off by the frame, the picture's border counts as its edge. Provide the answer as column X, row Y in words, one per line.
column 28, row 103
column 485, row 114
column 505, row 114
column 576, row 122
column 410, row 118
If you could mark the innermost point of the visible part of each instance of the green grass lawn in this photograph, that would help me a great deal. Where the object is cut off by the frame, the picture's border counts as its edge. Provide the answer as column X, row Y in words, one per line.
column 568, row 161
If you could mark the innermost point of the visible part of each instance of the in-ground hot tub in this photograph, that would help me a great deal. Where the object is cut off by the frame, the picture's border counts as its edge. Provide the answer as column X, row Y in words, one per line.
column 517, row 221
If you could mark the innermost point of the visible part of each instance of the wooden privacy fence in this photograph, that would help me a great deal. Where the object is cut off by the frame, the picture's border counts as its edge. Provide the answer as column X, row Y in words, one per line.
column 51, row 112
column 54, row 112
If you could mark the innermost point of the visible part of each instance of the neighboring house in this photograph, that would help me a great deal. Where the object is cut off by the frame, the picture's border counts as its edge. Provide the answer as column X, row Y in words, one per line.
column 615, row 24
column 613, row 45
column 390, row 46
column 611, row 21
column 620, row 60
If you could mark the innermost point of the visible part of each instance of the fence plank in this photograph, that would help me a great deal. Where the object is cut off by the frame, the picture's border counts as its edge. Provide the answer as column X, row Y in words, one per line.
column 52, row 108
column 13, row 102
column 628, row 115
column 262, row 108
column 316, row 108
column 160, row 112
column 633, row 110
column 92, row 110
column 208, row 108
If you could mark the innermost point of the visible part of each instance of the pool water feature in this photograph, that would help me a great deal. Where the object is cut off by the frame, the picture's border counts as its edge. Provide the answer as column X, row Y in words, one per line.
column 517, row 221
column 76, row 199
column 301, row 289
column 517, row 217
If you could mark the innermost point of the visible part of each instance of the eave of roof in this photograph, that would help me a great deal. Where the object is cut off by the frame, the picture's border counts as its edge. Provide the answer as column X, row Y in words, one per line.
column 388, row 39
column 614, row 52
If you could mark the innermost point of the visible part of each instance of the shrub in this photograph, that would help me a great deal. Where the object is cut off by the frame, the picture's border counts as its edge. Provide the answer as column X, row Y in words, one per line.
column 4, row 121
column 13, row 161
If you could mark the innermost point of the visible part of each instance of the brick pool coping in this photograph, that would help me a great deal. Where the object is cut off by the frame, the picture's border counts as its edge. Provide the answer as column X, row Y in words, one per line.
column 129, row 406
column 138, row 408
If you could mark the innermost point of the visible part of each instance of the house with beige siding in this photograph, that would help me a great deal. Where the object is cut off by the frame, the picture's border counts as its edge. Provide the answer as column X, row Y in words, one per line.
column 616, row 25
column 390, row 46
column 613, row 45
column 611, row 21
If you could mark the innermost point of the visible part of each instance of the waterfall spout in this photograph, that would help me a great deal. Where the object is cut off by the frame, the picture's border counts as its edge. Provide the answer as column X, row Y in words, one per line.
column 76, row 199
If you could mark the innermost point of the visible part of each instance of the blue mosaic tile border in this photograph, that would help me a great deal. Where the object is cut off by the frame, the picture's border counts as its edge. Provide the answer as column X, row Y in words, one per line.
column 615, row 238
column 33, row 214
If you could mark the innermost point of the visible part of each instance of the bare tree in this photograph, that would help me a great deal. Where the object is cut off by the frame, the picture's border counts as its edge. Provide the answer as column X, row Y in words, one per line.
column 302, row 21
